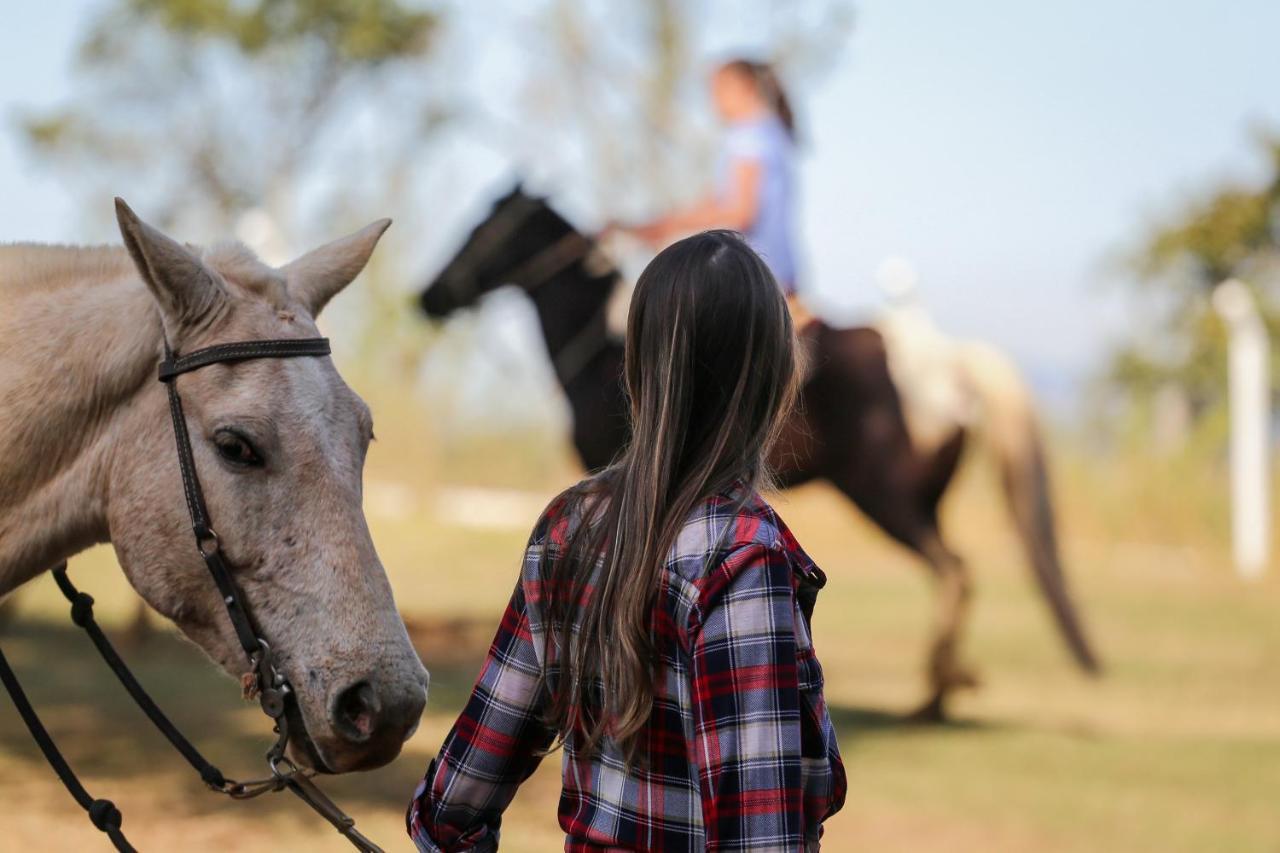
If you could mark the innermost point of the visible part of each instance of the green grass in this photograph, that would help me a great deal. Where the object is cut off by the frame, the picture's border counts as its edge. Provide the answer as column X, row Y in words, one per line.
column 1177, row 748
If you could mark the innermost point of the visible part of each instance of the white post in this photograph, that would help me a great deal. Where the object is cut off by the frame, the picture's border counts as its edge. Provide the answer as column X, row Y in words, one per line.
column 1249, row 389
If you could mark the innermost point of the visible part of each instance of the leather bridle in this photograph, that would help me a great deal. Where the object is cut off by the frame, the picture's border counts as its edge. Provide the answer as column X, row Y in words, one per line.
column 273, row 690
column 530, row 275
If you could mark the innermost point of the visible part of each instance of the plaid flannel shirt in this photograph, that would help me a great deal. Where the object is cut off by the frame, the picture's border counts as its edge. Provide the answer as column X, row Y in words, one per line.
column 740, row 752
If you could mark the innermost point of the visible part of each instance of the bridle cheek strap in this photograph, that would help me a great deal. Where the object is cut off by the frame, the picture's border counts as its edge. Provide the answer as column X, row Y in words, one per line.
column 206, row 538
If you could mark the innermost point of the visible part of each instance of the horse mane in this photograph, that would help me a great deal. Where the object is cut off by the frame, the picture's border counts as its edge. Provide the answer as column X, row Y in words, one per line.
column 43, row 267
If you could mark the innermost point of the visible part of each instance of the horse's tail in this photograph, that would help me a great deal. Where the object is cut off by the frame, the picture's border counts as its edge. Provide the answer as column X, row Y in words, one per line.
column 1012, row 432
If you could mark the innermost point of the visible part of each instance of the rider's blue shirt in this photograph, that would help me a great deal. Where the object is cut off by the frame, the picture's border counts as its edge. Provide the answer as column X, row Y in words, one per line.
column 765, row 141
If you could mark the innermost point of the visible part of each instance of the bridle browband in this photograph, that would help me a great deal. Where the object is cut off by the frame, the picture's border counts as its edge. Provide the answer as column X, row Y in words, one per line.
column 263, row 680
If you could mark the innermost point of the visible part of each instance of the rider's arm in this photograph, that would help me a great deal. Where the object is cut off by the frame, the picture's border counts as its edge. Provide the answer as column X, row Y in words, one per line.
column 735, row 209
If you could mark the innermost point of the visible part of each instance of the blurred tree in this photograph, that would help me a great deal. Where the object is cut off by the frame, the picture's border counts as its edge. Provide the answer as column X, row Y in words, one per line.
column 1228, row 232
column 200, row 110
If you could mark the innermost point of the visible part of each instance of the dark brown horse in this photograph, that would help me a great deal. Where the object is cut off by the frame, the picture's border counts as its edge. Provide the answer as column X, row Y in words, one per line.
column 848, row 430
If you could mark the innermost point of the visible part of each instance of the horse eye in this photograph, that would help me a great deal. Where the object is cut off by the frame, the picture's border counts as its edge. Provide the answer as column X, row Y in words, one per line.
column 236, row 449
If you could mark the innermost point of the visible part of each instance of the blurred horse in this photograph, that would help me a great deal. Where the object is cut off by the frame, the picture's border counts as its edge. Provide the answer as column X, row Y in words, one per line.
column 279, row 445
column 849, row 429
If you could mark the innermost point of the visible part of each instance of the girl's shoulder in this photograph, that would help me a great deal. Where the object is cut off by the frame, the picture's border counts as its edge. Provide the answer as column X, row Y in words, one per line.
column 724, row 546
column 727, row 522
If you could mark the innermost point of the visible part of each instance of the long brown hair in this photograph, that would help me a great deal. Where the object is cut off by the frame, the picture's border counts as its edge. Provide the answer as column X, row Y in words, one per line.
column 710, row 368
column 769, row 86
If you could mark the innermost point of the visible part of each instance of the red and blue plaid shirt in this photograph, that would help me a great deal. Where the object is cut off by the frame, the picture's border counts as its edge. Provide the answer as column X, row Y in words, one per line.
column 739, row 753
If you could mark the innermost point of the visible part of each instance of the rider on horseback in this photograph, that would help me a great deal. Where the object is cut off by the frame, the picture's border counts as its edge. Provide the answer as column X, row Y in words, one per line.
column 755, row 182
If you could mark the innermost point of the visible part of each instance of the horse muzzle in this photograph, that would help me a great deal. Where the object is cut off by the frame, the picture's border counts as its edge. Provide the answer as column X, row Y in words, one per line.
column 367, row 723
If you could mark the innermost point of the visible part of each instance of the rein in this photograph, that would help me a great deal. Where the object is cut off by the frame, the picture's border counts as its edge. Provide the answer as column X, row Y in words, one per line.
column 545, row 265
column 538, row 269
column 582, row 348
column 551, row 261
column 269, row 685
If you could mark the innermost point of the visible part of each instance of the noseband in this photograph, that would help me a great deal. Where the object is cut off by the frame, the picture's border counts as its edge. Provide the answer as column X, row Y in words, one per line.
column 263, row 679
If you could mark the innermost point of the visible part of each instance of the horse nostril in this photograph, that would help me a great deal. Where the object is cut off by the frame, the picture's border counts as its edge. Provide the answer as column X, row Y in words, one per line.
column 355, row 712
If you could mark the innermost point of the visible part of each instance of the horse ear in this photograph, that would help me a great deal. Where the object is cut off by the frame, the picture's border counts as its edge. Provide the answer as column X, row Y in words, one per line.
column 317, row 276
column 184, row 288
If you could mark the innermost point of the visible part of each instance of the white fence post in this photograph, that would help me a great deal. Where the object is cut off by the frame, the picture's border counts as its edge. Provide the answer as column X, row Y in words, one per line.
column 1249, row 390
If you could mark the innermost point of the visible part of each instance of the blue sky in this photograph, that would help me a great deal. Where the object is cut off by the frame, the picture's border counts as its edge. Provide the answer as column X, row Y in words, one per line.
column 1008, row 149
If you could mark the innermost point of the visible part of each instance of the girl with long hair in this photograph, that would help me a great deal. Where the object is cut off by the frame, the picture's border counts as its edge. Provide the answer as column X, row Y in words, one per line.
column 659, row 632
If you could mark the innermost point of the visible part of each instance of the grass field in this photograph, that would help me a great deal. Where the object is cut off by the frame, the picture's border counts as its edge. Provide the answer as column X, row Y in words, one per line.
column 1176, row 749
